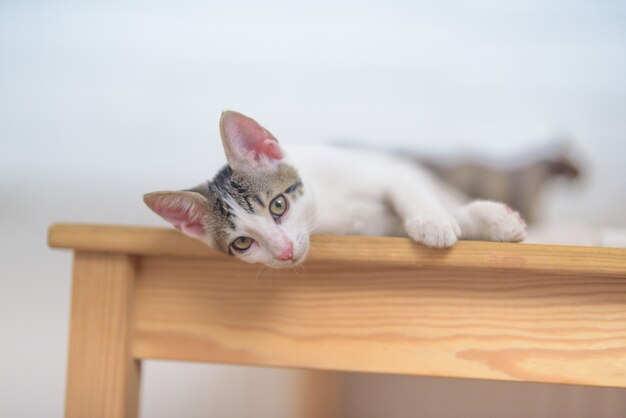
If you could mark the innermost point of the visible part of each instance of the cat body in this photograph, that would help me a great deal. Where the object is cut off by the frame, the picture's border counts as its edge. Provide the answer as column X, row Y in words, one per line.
column 263, row 206
column 352, row 189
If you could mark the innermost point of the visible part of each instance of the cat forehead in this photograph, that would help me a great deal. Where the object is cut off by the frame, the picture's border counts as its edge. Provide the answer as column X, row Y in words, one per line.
column 235, row 183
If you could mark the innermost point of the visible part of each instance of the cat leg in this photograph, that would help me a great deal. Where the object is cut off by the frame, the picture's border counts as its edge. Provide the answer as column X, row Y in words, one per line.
column 425, row 219
column 484, row 220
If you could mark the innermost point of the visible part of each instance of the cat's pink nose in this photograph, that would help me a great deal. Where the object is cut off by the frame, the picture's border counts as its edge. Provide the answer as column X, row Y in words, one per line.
column 287, row 254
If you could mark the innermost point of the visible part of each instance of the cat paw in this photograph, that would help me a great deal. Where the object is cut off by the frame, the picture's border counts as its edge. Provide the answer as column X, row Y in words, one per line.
column 438, row 230
column 505, row 224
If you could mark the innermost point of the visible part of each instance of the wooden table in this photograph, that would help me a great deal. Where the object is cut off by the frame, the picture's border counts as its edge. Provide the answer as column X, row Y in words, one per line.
column 519, row 312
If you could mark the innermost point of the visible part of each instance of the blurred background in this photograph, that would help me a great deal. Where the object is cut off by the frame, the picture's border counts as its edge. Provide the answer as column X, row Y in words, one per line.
column 102, row 102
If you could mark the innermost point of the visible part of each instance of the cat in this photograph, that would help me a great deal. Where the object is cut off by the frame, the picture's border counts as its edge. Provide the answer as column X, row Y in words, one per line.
column 264, row 204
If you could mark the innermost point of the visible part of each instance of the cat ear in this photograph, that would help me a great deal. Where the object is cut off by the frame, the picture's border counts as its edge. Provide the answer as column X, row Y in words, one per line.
column 247, row 144
column 185, row 210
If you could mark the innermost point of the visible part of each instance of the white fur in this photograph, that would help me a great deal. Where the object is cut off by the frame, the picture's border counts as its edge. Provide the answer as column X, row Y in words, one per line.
column 370, row 193
column 490, row 221
column 362, row 192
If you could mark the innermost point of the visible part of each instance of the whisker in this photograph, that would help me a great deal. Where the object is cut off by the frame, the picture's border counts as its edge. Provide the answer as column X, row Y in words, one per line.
column 311, row 225
column 268, row 277
column 295, row 270
column 300, row 268
column 266, row 274
column 263, row 267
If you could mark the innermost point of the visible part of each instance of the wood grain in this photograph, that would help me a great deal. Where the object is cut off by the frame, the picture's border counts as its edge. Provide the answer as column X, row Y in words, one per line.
column 103, row 378
column 474, row 323
column 520, row 312
column 359, row 250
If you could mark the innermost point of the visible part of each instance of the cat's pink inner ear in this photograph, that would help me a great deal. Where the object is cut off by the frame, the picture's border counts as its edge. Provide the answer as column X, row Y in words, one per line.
column 181, row 210
column 182, row 220
column 247, row 138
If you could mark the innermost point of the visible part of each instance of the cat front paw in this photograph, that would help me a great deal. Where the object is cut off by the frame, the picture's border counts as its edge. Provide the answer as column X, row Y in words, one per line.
column 435, row 230
column 506, row 225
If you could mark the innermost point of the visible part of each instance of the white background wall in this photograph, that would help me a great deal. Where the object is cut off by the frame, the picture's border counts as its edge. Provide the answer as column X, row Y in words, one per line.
column 100, row 103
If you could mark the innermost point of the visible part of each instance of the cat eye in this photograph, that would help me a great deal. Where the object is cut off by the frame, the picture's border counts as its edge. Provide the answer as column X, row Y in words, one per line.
column 241, row 244
column 278, row 206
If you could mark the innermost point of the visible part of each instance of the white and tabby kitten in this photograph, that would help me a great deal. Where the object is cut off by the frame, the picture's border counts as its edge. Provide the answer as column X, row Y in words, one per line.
column 263, row 205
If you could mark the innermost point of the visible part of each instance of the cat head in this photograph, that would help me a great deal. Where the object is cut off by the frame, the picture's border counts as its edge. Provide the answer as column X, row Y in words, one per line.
column 256, row 208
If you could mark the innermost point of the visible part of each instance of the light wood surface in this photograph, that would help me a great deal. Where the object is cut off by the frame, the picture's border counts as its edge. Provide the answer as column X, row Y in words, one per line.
column 103, row 377
column 358, row 251
column 429, row 321
column 535, row 313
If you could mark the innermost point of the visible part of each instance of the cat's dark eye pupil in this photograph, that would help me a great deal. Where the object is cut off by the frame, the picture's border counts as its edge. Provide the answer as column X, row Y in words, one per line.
column 278, row 206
